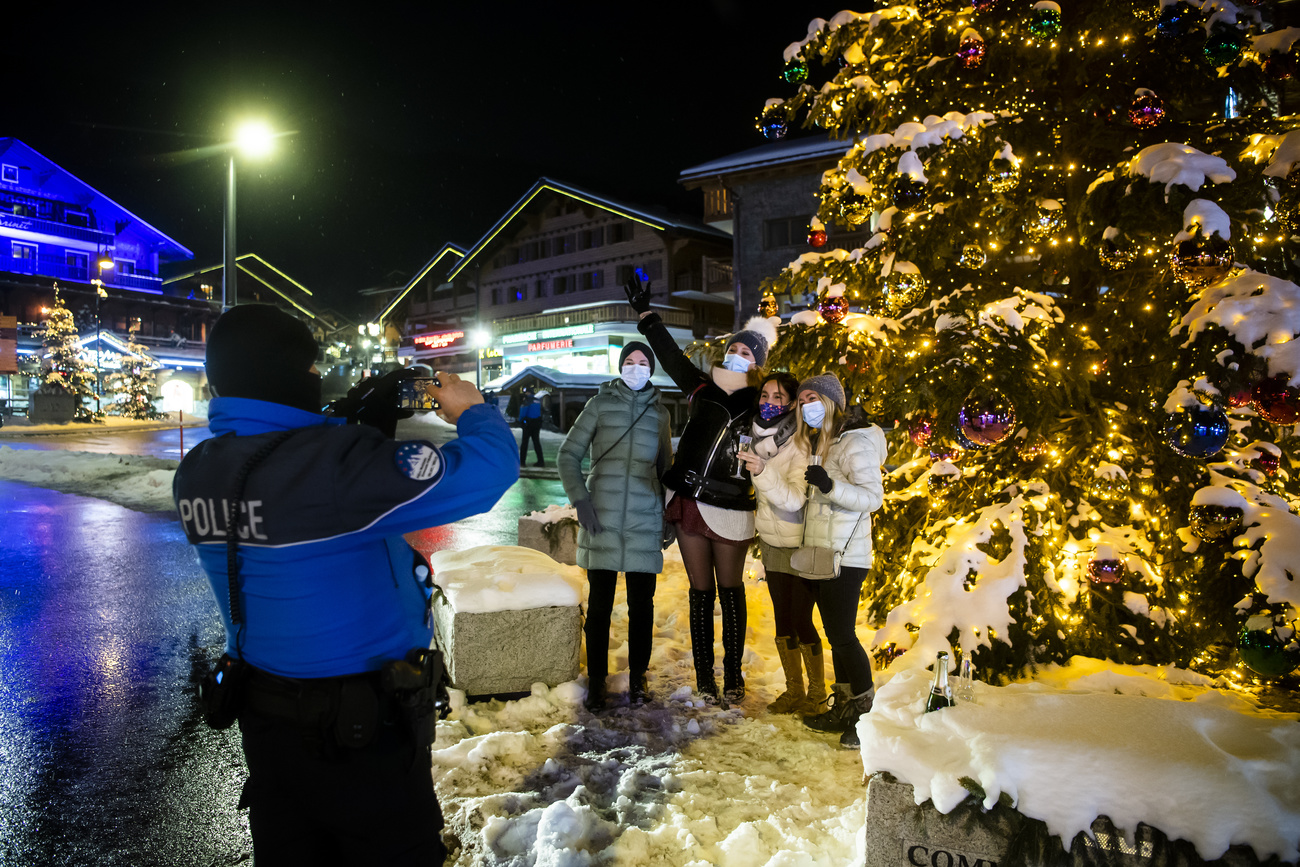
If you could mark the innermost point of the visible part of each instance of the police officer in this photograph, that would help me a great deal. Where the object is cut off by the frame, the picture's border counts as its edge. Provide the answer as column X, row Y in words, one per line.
column 326, row 592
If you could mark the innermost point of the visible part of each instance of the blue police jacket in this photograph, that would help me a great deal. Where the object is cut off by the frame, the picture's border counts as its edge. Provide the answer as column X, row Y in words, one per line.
column 530, row 411
column 328, row 586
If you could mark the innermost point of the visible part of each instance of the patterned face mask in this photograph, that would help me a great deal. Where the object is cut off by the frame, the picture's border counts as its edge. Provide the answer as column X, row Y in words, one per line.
column 769, row 411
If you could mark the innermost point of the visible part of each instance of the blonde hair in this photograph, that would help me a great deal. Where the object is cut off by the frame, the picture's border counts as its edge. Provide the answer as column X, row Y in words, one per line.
column 830, row 429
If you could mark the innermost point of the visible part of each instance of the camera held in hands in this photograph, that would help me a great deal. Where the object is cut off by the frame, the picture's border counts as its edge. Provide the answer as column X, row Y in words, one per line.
column 413, row 394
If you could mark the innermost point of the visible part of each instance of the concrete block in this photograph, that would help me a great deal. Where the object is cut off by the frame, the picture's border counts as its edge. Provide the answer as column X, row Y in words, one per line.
column 901, row 833
column 554, row 532
column 508, row 651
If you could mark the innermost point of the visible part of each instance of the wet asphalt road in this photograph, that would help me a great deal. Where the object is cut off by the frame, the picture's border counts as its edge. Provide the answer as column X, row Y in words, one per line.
column 103, row 617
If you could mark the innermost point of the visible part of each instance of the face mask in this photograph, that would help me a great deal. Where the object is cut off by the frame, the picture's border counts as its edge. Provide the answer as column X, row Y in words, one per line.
column 813, row 414
column 737, row 363
column 769, row 411
column 636, row 376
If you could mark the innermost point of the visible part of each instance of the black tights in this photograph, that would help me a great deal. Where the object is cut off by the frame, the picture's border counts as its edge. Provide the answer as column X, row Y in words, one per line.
column 792, row 607
column 706, row 558
column 838, row 599
column 640, row 620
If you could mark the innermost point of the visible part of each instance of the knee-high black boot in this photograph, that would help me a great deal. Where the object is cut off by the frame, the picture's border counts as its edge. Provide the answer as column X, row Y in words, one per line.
column 702, row 641
column 734, row 614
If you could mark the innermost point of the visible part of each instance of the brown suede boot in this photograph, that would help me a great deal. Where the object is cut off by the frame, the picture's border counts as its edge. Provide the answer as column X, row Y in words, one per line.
column 793, row 698
column 813, row 662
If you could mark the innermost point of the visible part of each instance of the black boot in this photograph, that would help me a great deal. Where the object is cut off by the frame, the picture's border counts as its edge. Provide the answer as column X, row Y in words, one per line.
column 836, row 714
column 733, row 642
column 638, row 691
column 702, row 641
column 858, row 705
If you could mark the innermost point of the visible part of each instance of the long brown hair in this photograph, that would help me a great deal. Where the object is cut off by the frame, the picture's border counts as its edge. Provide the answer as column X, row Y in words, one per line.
column 829, row 430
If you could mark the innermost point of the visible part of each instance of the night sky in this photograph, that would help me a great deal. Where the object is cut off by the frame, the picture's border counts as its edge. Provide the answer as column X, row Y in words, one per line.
column 413, row 125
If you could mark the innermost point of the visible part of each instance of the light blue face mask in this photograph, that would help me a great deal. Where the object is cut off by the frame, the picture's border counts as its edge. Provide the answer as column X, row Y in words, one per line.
column 736, row 363
column 636, row 376
column 813, row 414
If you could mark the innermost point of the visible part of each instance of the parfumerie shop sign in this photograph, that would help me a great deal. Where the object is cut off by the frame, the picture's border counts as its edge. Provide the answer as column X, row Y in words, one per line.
column 548, row 334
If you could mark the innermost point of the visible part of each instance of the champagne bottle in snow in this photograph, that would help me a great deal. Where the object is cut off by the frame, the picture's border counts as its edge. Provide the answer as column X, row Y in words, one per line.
column 940, row 692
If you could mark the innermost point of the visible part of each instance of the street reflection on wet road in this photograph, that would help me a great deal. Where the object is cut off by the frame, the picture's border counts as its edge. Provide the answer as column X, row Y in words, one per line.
column 103, row 615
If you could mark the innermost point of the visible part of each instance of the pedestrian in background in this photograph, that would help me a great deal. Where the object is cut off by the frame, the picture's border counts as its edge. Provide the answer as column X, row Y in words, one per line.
column 711, row 499
column 777, row 466
column 625, row 429
column 845, row 487
column 530, row 419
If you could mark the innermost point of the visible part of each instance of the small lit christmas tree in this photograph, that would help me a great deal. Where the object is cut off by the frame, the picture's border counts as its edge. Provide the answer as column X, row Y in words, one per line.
column 63, row 368
column 133, row 385
column 1073, row 294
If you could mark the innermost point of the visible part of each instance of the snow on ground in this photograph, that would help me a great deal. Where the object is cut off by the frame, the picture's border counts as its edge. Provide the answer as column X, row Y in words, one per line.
column 20, row 426
column 539, row 782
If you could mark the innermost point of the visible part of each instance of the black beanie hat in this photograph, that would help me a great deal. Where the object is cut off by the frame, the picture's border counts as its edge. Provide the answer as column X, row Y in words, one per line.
column 633, row 347
column 261, row 352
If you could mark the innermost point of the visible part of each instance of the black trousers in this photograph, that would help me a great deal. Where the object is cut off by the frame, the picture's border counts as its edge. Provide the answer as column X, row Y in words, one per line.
column 640, row 620
column 327, row 805
column 837, row 600
column 532, row 430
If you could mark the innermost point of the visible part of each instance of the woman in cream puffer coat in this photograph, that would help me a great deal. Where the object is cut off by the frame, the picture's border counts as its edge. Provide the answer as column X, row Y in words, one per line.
column 777, row 464
column 845, row 487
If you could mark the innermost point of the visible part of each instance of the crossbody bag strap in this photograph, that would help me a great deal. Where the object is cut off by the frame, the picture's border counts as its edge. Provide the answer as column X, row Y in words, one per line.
column 620, row 438
column 232, row 535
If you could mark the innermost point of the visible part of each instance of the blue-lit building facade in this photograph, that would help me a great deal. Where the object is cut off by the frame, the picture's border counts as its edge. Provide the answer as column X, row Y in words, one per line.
column 57, row 229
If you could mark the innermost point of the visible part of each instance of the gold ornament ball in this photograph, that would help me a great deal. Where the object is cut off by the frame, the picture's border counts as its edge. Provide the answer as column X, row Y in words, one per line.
column 1113, row 257
column 972, row 256
column 902, row 290
column 855, row 210
column 1109, row 489
column 1199, row 261
column 1004, row 175
column 767, row 306
column 1047, row 221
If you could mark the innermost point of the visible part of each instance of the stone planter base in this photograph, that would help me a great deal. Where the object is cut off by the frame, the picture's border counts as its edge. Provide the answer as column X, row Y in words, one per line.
column 508, row 651
column 558, row 539
column 51, row 408
column 901, row 833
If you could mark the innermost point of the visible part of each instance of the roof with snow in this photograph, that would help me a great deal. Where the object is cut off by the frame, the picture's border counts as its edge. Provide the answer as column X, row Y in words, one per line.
column 52, row 181
column 655, row 218
column 448, row 249
column 781, row 153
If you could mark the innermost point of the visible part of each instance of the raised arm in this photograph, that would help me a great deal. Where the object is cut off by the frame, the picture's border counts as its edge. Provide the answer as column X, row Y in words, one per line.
column 671, row 358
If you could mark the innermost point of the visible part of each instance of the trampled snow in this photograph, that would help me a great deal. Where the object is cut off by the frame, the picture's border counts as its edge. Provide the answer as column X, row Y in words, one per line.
column 503, row 578
column 539, row 781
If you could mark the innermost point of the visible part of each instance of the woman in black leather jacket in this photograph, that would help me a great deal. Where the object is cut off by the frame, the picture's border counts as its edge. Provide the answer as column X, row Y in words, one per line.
column 710, row 496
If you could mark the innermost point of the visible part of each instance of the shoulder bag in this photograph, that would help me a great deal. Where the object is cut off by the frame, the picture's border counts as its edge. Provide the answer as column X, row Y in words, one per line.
column 817, row 563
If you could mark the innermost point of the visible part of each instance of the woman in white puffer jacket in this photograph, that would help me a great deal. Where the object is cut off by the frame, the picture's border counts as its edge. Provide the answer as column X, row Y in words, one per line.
column 844, row 489
column 777, row 466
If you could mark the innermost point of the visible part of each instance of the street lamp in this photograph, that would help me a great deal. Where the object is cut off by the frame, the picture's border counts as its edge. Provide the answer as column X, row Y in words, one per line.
column 254, row 139
column 104, row 263
column 481, row 340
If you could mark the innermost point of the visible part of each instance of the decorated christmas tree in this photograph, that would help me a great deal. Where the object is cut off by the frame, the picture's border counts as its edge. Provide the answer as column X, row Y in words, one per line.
column 133, row 385
column 63, row 369
column 1071, row 300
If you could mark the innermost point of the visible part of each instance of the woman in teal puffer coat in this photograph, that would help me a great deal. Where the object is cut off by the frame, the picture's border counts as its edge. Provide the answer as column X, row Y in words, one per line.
column 620, row 511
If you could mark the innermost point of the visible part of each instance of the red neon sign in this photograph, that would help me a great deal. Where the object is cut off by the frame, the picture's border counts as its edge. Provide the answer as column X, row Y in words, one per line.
column 550, row 344
column 441, row 340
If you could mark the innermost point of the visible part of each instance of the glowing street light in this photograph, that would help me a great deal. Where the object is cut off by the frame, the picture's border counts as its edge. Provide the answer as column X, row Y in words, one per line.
column 252, row 139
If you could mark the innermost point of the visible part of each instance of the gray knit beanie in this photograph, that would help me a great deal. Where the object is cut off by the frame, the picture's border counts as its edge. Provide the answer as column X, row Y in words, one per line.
column 827, row 385
column 759, row 335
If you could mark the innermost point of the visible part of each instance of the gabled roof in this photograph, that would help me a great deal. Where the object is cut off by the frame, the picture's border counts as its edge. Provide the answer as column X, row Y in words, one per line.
column 448, row 249
column 785, row 152
column 55, row 182
column 289, row 289
column 652, row 217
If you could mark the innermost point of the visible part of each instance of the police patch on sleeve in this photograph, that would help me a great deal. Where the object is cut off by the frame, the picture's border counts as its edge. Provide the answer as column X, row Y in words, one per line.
column 419, row 461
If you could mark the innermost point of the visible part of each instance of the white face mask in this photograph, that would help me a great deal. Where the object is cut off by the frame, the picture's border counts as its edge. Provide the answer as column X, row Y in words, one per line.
column 736, row 363
column 813, row 413
column 636, row 376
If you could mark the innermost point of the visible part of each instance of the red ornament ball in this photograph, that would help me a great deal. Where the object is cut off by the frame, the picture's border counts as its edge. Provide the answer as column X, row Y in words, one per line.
column 1267, row 462
column 919, row 430
column 817, row 238
column 1106, row 571
column 1146, row 110
column 1276, row 401
column 1239, row 396
column 832, row 307
column 971, row 53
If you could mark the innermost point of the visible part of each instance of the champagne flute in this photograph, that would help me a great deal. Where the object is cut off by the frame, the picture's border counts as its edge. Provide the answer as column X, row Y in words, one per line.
column 744, row 447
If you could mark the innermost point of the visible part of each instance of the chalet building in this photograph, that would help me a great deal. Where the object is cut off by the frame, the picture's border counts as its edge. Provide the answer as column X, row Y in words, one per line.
column 765, row 198
column 543, row 289
column 55, row 228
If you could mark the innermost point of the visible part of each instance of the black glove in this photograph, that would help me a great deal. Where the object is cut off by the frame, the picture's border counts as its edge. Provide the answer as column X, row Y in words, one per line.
column 587, row 517
column 373, row 401
column 638, row 293
column 816, row 475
